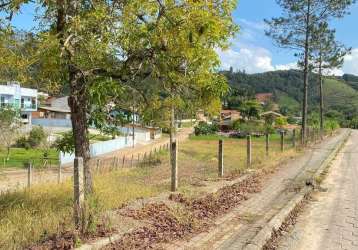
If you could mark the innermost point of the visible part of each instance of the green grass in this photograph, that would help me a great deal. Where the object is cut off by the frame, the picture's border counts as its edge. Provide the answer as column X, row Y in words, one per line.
column 339, row 94
column 284, row 100
column 210, row 138
column 19, row 156
column 30, row 215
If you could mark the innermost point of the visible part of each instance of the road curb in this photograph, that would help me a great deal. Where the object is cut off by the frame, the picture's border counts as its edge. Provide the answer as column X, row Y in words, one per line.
column 267, row 232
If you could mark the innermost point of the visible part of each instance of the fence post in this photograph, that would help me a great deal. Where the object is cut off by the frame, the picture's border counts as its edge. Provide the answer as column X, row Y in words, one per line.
column 308, row 135
column 138, row 159
column 117, row 162
column 123, row 161
column 221, row 159
column 97, row 165
column 282, row 140
column 78, row 190
column 294, row 138
column 267, row 142
column 301, row 138
column 132, row 161
column 114, row 163
column 59, row 177
column 174, row 165
column 145, row 158
column 249, row 158
column 29, row 174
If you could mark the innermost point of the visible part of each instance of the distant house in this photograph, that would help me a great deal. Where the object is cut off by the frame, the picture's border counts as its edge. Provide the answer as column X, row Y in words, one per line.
column 54, row 112
column 201, row 116
column 264, row 98
column 227, row 117
column 270, row 116
column 229, row 114
column 23, row 99
column 271, row 113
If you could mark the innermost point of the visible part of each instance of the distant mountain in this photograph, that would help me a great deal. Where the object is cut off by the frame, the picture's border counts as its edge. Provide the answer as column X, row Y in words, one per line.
column 340, row 93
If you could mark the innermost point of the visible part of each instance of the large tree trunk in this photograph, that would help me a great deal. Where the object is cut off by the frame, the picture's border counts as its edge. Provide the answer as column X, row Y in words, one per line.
column 305, row 75
column 320, row 82
column 172, row 125
column 78, row 103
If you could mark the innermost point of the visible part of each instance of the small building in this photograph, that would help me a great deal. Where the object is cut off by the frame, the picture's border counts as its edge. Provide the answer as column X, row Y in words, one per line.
column 22, row 99
column 270, row 116
column 52, row 113
column 264, row 98
column 55, row 112
column 271, row 113
column 141, row 133
column 230, row 114
column 201, row 116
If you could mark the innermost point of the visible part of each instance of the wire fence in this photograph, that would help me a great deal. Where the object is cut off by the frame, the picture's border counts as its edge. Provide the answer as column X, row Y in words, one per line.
column 198, row 160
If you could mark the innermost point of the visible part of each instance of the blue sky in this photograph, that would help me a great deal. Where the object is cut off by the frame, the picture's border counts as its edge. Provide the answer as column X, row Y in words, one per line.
column 251, row 50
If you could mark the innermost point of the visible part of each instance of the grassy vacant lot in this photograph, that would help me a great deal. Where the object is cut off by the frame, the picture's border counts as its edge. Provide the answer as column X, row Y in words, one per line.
column 30, row 215
column 18, row 156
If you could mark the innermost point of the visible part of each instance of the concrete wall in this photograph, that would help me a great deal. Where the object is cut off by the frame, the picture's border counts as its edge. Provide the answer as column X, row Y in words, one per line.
column 139, row 134
column 65, row 123
column 100, row 148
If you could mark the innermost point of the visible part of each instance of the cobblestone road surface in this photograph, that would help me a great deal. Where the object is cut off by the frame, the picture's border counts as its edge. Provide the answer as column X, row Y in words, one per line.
column 236, row 229
column 330, row 220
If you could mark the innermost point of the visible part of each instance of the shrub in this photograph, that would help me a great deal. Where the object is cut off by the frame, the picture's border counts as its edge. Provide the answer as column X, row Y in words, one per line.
column 353, row 123
column 23, row 142
column 250, row 127
column 66, row 143
column 331, row 124
column 36, row 137
column 204, row 128
column 280, row 121
column 291, row 120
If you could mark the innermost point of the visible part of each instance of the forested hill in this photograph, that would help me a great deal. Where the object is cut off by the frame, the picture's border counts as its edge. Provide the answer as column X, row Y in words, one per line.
column 340, row 93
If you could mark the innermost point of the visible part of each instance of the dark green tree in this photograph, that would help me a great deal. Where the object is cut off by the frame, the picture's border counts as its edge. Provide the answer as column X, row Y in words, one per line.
column 295, row 28
column 327, row 54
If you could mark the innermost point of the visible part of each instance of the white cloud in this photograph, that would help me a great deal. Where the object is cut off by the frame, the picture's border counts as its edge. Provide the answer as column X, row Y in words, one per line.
column 258, row 60
column 350, row 65
column 287, row 66
column 252, row 60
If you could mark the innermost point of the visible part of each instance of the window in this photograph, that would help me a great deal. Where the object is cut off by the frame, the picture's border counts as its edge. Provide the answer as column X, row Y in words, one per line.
column 22, row 102
column 33, row 103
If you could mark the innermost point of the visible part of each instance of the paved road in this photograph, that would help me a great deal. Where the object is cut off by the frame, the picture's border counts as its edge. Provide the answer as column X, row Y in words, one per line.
column 330, row 221
column 236, row 229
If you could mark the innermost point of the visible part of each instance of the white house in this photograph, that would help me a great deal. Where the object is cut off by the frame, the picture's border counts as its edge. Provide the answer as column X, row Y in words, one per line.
column 23, row 99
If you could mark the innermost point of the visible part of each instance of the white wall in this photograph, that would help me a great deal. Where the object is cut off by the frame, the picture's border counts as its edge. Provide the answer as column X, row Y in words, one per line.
column 100, row 148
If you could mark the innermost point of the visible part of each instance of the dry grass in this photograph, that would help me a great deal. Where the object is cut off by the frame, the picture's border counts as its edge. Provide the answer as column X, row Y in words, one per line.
column 30, row 215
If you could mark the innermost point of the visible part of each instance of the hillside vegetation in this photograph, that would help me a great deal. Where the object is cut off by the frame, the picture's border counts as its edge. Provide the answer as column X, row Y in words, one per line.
column 340, row 93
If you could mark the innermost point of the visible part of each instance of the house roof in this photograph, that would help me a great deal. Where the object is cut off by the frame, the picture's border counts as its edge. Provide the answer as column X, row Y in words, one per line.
column 271, row 113
column 55, row 109
column 263, row 97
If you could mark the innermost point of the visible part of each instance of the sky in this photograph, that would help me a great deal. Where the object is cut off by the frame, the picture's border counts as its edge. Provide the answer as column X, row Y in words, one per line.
column 251, row 50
